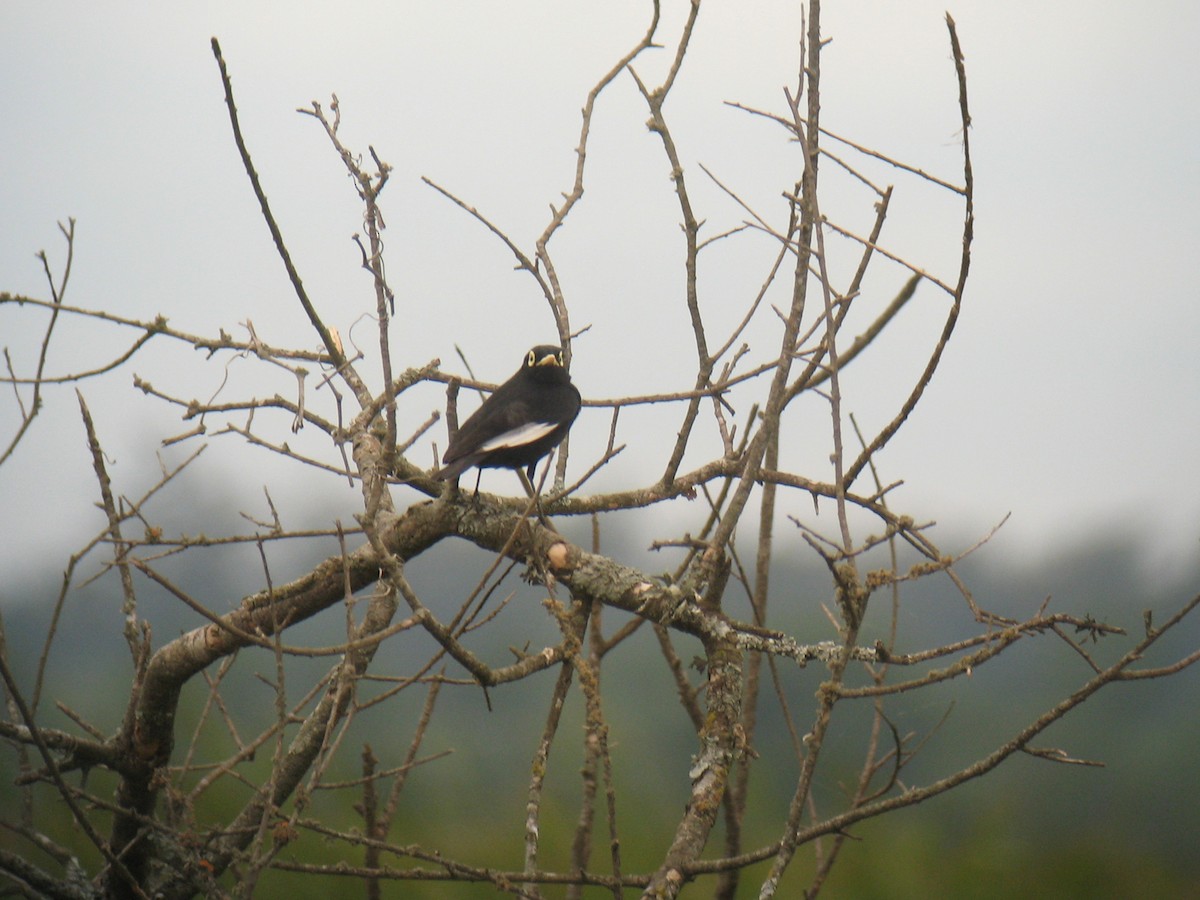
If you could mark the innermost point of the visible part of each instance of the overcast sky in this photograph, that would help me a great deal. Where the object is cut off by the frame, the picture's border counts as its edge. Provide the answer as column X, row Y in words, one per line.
column 1070, row 394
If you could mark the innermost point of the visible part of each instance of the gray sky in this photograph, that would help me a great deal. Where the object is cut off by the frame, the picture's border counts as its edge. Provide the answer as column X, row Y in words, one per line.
column 1070, row 394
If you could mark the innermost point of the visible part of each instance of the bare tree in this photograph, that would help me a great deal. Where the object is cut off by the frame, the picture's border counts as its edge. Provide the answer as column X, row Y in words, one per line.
column 157, row 834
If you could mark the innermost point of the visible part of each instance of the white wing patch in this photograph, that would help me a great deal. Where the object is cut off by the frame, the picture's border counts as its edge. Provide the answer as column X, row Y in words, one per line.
column 519, row 437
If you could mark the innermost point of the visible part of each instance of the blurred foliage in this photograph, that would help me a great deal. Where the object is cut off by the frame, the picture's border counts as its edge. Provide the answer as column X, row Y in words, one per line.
column 1031, row 828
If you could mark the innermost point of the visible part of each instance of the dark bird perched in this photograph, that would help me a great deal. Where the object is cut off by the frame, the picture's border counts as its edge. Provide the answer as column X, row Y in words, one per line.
column 522, row 421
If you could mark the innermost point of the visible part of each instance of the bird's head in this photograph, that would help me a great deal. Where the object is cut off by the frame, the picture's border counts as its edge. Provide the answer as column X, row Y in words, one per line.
column 544, row 355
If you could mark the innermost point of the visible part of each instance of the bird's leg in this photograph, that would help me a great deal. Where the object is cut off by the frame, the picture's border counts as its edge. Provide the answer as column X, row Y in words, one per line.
column 536, row 491
column 526, row 482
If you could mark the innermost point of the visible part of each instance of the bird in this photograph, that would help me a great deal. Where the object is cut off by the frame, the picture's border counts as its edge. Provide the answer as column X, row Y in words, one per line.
column 521, row 422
